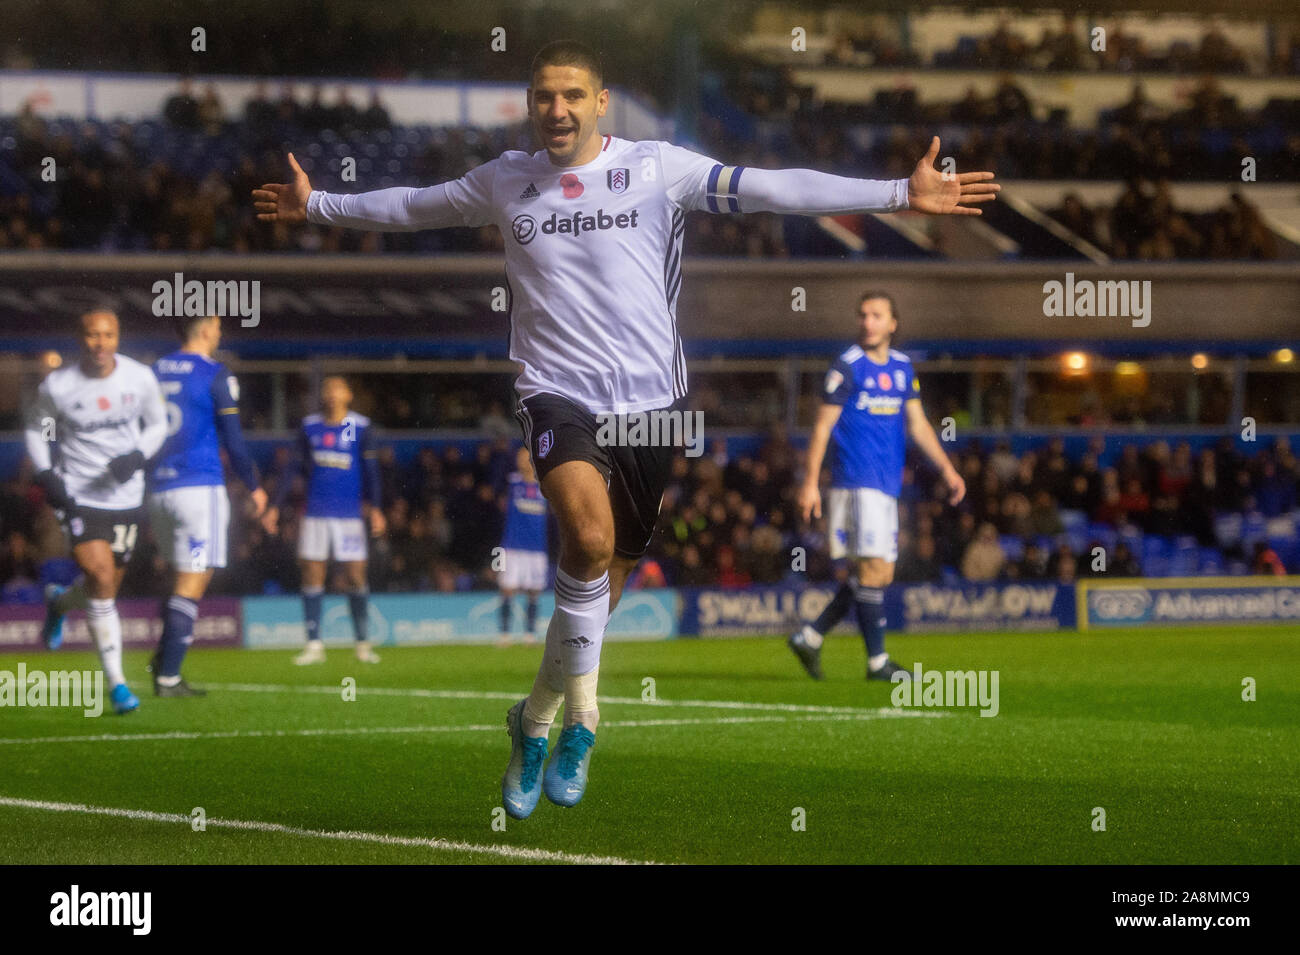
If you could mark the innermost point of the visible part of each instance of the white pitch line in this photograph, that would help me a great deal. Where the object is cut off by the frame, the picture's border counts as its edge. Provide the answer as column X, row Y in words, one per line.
column 497, row 695
column 252, row 825
column 882, row 713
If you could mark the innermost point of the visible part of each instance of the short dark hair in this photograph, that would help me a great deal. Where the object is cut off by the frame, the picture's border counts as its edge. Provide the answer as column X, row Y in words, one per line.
column 569, row 53
column 186, row 326
column 878, row 293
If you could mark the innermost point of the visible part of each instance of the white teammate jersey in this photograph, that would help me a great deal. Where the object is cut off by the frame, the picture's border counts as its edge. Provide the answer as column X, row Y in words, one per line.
column 95, row 420
column 594, row 253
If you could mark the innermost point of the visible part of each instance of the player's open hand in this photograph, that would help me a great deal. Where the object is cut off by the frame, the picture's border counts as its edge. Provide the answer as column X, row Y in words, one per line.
column 945, row 193
column 810, row 502
column 378, row 523
column 284, row 202
column 271, row 520
column 258, row 497
column 956, row 486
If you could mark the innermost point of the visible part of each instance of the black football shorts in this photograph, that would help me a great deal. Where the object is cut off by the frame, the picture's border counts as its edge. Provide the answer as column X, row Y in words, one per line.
column 557, row 430
column 119, row 528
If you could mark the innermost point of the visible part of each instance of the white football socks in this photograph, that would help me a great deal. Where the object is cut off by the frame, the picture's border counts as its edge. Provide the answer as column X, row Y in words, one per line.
column 580, row 699
column 548, row 688
column 106, row 627
column 572, row 659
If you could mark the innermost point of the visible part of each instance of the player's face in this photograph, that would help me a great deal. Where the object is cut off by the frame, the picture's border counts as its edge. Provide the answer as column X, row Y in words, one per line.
column 99, row 339
column 876, row 323
column 335, row 395
column 564, row 105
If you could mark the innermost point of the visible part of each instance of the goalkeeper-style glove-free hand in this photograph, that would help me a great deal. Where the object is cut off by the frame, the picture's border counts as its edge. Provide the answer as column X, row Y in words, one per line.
column 124, row 466
column 55, row 490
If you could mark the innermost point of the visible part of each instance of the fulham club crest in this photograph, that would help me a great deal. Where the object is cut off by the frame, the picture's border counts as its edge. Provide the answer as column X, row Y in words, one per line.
column 544, row 443
column 617, row 180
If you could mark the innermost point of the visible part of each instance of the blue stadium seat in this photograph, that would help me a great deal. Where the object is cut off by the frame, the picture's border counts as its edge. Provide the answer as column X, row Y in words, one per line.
column 1072, row 519
column 1154, row 546
column 1227, row 529
column 1077, row 538
column 1012, row 546
column 1104, row 534
column 1254, row 528
column 1211, row 562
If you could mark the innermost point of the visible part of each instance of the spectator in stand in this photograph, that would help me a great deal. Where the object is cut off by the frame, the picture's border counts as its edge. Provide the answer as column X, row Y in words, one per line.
column 1266, row 562
column 984, row 557
column 375, row 117
column 211, row 115
column 1123, row 563
column 1063, row 566
column 182, row 109
column 730, row 577
column 1033, row 565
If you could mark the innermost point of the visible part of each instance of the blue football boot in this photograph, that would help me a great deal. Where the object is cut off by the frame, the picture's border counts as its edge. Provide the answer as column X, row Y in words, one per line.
column 565, row 779
column 521, row 786
column 52, row 628
column 124, row 701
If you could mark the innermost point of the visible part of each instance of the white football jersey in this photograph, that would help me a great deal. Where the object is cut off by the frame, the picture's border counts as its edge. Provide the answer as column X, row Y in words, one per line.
column 594, row 265
column 95, row 420
column 594, row 252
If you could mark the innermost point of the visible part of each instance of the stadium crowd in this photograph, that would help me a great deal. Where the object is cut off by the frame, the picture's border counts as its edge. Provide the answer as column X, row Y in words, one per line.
column 729, row 520
column 182, row 183
column 404, row 48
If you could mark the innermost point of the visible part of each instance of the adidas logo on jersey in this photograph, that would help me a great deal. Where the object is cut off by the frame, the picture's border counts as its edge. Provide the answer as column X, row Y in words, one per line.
column 530, row 193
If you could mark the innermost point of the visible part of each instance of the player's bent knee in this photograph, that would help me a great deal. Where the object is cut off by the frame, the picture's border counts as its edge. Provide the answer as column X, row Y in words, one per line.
column 590, row 545
column 875, row 573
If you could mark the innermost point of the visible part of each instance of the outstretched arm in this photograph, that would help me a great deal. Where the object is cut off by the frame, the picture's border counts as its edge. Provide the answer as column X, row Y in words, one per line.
column 807, row 192
column 399, row 209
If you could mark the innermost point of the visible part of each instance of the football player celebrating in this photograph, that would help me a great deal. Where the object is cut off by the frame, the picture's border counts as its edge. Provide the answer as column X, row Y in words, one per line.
column 593, row 228
column 871, row 403
column 104, row 415
column 188, row 504
column 339, row 461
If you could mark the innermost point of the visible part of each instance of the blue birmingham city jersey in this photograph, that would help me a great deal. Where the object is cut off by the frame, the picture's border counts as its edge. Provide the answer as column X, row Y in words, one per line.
column 340, row 464
column 202, row 401
column 525, row 516
column 870, row 438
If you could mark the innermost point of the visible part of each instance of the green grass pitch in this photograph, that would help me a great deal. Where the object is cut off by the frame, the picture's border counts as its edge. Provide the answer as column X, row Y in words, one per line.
column 1148, row 725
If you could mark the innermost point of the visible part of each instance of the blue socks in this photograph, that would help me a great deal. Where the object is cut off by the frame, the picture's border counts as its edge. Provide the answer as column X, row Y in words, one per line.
column 178, row 616
column 357, row 605
column 530, row 621
column 836, row 610
column 311, row 603
column 870, row 604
